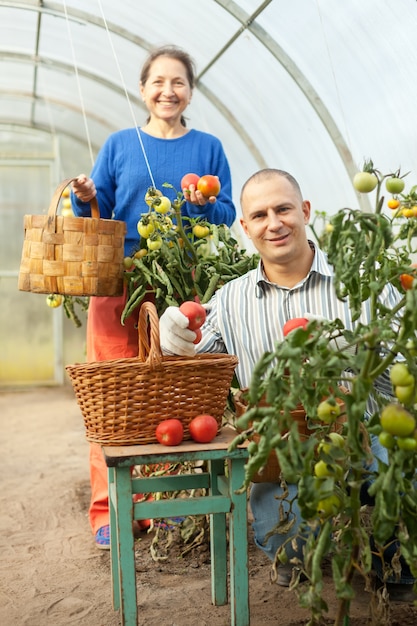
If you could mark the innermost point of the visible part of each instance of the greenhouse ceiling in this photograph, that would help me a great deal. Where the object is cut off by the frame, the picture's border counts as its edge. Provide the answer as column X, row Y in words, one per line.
column 310, row 86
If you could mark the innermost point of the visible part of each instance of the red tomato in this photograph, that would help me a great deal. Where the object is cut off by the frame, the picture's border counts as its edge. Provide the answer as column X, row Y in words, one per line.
column 195, row 312
column 209, row 185
column 189, row 179
column 296, row 322
column 170, row 432
column 406, row 280
column 203, row 428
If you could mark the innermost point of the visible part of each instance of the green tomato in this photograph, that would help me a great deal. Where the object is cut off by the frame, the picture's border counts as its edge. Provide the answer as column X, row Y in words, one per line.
column 365, row 182
column 394, row 185
column 405, row 393
column 396, row 420
column 386, row 440
column 332, row 440
column 407, row 443
column 162, row 205
column 145, row 229
column 329, row 507
column 200, row 231
column 400, row 375
column 411, row 345
column 154, row 244
column 328, row 411
column 151, row 194
column 324, row 470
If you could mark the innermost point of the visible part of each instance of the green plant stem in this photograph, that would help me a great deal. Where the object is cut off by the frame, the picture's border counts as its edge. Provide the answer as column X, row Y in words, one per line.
column 181, row 231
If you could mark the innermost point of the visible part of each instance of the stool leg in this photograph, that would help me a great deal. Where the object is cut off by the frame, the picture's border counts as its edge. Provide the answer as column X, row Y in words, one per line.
column 238, row 546
column 114, row 541
column 122, row 533
column 218, row 542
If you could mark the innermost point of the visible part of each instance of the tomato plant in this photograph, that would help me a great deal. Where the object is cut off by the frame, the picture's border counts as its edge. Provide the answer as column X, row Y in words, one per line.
column 203, row 428
column 173, row 262
column 170, row 432
column 368, row 252
column 209, row 185
column 195, row 312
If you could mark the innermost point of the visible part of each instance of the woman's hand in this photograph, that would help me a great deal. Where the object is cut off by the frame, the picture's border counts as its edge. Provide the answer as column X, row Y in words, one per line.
column 84, row 188
column 193, row 195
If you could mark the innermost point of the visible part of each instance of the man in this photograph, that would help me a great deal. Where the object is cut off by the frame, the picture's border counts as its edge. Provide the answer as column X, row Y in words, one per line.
column 246, row 316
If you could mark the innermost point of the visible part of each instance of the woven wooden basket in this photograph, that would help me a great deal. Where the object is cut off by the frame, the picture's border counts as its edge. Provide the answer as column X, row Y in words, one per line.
column 270, row 473
column 73, row 256
column 122, row 401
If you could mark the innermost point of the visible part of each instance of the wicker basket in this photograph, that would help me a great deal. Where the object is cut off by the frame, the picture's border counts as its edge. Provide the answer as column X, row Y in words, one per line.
column 73, row 256
column 270, row 473
column 123, row 400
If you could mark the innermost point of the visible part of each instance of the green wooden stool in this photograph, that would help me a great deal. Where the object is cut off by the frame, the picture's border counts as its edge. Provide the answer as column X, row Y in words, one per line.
column 224, row 476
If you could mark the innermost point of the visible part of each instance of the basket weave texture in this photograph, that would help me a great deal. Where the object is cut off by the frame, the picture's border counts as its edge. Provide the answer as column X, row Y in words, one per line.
column 122, row 401
column 271, row 472
column 73, row 256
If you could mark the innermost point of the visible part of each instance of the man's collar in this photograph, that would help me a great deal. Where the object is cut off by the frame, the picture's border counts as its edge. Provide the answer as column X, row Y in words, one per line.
column 319, row 265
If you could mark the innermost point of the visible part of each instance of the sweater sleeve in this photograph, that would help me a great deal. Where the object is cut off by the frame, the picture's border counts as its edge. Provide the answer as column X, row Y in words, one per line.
column 103, row 176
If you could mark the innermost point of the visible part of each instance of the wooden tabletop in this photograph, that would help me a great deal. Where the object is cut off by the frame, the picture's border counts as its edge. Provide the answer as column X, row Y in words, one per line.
column 221, row 442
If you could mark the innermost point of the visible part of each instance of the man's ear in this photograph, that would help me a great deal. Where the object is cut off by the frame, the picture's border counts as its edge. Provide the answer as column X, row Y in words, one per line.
column 306, row 210
column 244, row 227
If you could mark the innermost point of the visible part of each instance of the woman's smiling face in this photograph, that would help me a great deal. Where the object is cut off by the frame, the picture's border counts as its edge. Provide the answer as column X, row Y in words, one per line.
column 167, row 91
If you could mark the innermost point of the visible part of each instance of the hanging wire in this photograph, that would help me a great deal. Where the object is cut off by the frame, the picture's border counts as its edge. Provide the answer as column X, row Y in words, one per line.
column 126, row 94
column 77, row 78
column 339, row 99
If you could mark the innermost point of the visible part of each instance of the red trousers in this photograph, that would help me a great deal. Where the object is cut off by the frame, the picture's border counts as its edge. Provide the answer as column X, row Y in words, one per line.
column 106, row 339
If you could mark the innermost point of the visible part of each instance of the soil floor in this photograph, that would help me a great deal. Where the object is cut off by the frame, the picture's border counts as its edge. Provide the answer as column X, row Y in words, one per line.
column 53, row 575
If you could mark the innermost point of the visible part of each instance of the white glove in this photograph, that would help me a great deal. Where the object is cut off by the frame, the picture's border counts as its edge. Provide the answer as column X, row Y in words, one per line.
column 174, row 335
column 335, row 343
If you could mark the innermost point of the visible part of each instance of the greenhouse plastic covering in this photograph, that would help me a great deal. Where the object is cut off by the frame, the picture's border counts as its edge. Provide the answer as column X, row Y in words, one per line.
column 310, row 86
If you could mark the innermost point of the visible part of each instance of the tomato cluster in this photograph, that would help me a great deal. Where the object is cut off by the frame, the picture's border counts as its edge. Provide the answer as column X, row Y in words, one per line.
column 328, row 470
column 203, row 429
column 208, row 185
column 398, row 424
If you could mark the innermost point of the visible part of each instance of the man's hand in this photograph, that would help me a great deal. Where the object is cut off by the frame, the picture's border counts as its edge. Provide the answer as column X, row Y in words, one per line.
column 335, row 343
column 175, row 337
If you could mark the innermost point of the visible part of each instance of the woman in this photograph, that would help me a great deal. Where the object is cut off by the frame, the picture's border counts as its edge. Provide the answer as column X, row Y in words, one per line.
column 120, row 178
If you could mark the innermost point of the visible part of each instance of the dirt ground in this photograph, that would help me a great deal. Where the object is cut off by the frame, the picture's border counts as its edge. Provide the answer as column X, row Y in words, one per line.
column 51, row 572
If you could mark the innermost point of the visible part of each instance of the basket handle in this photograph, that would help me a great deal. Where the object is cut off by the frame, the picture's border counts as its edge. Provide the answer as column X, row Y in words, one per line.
column 53, row 207
column 149, row 351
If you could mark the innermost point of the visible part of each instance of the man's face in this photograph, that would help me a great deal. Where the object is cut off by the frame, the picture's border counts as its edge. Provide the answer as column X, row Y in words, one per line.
column 274, row 217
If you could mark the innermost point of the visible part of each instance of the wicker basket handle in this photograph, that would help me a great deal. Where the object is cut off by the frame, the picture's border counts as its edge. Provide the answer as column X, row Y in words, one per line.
column 149, row 352
column 53, row 207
